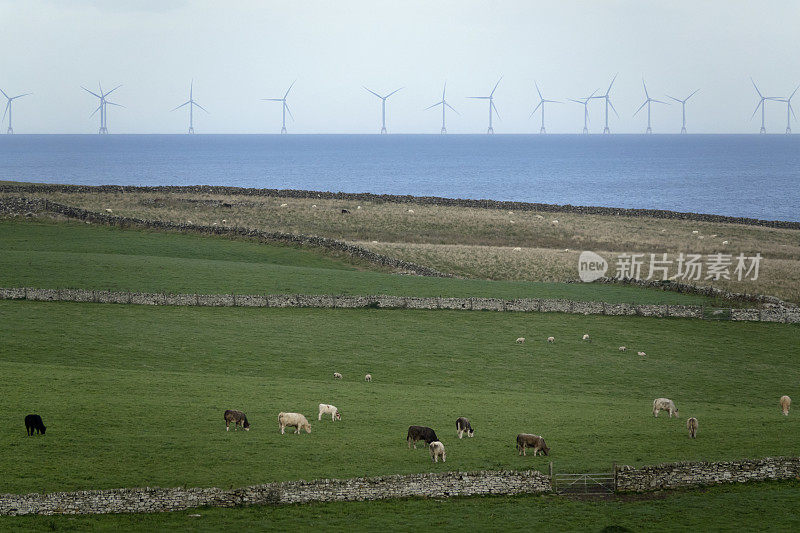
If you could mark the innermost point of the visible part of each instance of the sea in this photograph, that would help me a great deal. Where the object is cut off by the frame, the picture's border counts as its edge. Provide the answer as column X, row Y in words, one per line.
column 754, row 176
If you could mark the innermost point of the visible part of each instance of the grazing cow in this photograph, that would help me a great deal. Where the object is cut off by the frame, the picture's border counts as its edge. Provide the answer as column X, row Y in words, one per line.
column 521, row 340
column 345, row 212
column 786, row 402
column 416, row 433
column 437, row 450
column 295, row 420
column 551, row 339
column 526, row 440
column 622, row 348
column 337, row 375
column 462, row 426
column 586, row 336
column 691, row 425
column 238, row 418
column 327, row 409
column 664, row 404
column 368, row 377
column 34, row 422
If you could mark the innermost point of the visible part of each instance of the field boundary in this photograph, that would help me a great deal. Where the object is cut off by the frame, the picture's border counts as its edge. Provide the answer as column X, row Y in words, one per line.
column 778, row 314
column 403, row 199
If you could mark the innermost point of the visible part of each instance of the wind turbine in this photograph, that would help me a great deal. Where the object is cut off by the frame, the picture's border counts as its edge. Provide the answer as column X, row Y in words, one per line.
column 102, row 107
column 585, row 104
column 444, row 105
column 762, row 103
column 789, row 109
column 647, row 103
column 191, row 103
column 491, row 104
column 541, row 103
column 383, row 107
column 284, row 105
column 683, row 108
column 608, row 103
column 8, row 109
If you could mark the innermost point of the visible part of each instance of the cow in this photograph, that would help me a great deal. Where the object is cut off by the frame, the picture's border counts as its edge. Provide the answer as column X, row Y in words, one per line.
column 521, row 340
column 664, row 404
column 462, row 426
column 337, row 375
column 238, row 418
column 437, row 450
column 551, row 339
column 295, row 420
column 691, row 425
column 368, row 377
column 34, row 422
column 786, row 402
column 327, row 409
column 416, row 433
column 526, row 440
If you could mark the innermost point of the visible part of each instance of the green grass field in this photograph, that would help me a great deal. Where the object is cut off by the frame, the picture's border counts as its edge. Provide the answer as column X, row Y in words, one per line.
column 756, row 507
column 74, row 255
column 134, row 395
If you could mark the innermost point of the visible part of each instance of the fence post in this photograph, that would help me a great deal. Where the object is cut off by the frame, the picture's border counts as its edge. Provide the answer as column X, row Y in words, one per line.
column 614, row 466
column 552, row 479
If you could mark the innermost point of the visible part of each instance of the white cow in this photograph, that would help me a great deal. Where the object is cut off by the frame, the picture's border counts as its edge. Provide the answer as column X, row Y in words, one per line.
column 328, row 409
column 295, row 420
column 337, row 375
column 437, row 450
column 664, row 404
column 368, row 377
column 551, row 339
column 521, row 340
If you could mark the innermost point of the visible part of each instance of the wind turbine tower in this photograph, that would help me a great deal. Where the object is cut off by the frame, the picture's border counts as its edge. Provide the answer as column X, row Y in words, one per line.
column 284, row 106
column 607, row 99
column 444, row 105
column 585, row 104
column 541, row 103
column 647, row 103
column 10, row 99
column 491, row 104
column 103, row 106
column 789, row 110
column 383, row 107
column 762, row 103
column 191, row 103
column 683, row 108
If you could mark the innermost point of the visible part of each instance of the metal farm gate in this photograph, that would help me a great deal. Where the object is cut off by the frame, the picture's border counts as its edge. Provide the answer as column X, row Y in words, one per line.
column 593, row 483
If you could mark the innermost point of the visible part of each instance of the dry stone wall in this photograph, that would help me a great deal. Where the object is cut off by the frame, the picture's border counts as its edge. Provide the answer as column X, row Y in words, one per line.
column 153, row 500
column 789, row 316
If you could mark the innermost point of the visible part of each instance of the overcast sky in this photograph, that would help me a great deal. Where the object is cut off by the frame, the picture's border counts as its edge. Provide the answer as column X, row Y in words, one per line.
column 240, row 51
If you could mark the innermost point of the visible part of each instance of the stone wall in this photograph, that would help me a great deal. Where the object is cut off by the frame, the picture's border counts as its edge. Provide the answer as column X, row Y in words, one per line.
column 678, row 475
column 788, row 316
column 399, row 199
column 152, row 500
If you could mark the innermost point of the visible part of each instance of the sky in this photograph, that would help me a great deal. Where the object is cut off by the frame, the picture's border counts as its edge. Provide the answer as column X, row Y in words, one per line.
column 238, row 52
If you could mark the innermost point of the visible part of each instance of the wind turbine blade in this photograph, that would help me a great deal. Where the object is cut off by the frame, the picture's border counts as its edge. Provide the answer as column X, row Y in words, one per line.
column 373, row 92
column 391, row 93
column 538, row 91
column 694, row 93
column 756, row 110
column 87, row 90
column 289, row 89
column 273, row 99
column 659, row 101
column 646, row 95
column 201, row 107
column 792, row 110
column 8, row 104
column 612, row 107
column 112, row 90
column 453, row 108
column 593, row 93
column 668, row 96
column 443, row 90
column 180, row 106
column 495, row 109
column 434, row 105
column 576, row 101
column 553, row 101
column 28, row 94
column 612, row 83
column 4, row 93
column 495, row 86
column 535, row 108
column 640, row 107
column 479, row 97
column 754, row 85
column 95, row 111
column 289, row 110
column 112, row 103
column 795, row 90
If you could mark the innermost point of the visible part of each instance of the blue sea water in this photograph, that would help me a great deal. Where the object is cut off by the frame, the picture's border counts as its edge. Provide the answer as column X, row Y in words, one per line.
column 738, row 175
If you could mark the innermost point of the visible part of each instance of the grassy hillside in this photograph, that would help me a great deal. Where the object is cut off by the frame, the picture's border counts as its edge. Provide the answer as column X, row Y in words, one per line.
column 759, row 507
column 134, row 395
column 47, row 254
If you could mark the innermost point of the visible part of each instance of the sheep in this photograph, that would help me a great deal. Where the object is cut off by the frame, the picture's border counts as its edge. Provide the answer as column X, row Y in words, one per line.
column 695, row 232
column 313, row 206
column 411, row 211
column 520, row 340
column 724, row 242
column 664, row 404
column 554, row 223
column 463, row 425
column 526, row 440
column 437, row 450
column 551, row 339
column 358, row 207
column 109, row 210
column 623, row 348
column 337, row 375
column 517, row 249
column 295, row 420
column 641, row 354
column 328, row 409
column 586, row 336
column 368, row 377
column 691, row 425
column 786, row 402
column 284, row 205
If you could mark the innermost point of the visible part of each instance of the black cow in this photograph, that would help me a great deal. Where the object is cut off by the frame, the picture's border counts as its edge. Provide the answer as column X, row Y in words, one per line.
column 416, row 433
column 34, row 422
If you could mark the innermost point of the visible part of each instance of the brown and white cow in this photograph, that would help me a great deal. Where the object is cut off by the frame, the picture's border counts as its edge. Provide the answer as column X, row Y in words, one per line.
column 526, row 440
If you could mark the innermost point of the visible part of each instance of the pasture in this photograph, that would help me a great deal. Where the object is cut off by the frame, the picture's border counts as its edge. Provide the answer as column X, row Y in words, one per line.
column 135, row 395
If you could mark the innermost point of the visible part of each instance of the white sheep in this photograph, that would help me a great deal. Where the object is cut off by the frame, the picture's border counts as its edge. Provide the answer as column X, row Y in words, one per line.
column 313, row 206
column 109, row 210
column 641, row 353
column 337, row 375
column 358, row 207
column 328, row 409
column 695, row 232
column 622, row 348
column 586, row 336
column 554, row 222
column 521, row 340
column 551, row 339
column 368, row 377
column 284, row 205
column 724, row 242
column 411, row 211
column 786, row 402
column 437, row 450
column 517, row 249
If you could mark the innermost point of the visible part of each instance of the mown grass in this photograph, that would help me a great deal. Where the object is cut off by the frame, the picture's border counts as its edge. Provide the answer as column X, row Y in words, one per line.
column 46, row 254
column 440, row 233
column 757, row 507
column 134, row 395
